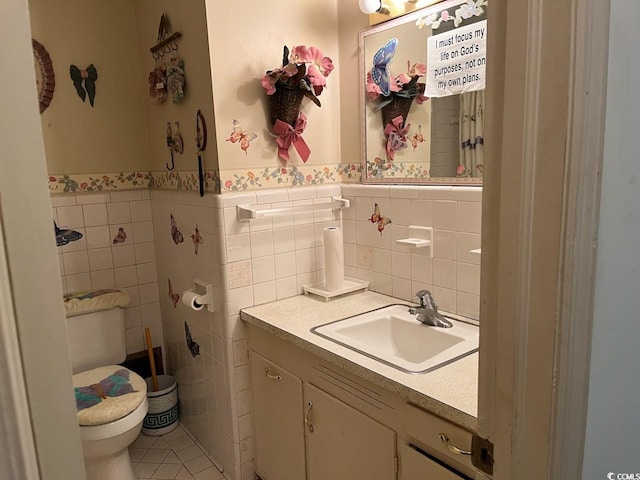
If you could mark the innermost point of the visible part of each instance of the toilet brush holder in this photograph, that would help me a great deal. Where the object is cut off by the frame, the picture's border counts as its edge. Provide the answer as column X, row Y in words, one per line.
column 162, row 416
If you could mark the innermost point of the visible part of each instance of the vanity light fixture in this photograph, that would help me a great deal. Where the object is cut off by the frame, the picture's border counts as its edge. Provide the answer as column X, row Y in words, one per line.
column 389, row 7
column 372, row 6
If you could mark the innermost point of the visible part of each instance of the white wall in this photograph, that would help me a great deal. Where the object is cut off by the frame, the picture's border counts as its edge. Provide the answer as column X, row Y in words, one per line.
column 110, row 136
column 33, row 270
column 611, row 443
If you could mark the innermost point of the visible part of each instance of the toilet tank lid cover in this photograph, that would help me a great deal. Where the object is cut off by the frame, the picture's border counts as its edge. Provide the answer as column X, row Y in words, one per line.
column 95, row 301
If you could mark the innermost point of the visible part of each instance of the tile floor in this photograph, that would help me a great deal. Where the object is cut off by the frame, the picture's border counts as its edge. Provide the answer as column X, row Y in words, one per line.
column 174, row 456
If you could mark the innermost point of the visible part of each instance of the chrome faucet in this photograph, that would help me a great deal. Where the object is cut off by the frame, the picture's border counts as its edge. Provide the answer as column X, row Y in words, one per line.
column 427, row 312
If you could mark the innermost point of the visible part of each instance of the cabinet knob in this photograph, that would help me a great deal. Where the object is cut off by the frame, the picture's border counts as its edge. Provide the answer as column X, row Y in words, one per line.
column 306, row 416
column 277, row 378
column 452, row 448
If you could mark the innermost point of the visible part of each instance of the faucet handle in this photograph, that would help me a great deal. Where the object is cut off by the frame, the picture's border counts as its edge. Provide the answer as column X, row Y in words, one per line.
column 424, row 297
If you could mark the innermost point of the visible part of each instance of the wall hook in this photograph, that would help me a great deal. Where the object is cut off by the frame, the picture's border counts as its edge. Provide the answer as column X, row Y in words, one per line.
column 170, row 146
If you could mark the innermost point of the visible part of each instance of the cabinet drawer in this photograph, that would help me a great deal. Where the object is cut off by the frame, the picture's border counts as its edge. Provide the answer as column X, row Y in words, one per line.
column 414, row 465
column 278, row 421
column 423, row 428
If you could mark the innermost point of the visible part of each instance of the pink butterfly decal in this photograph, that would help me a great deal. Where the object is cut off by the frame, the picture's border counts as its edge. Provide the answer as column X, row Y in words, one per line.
column 417, row 137
column 197, row 239
column 240, row 136
column 174, row 297
column 175, row 233
column 120, row 237
column 379, row 219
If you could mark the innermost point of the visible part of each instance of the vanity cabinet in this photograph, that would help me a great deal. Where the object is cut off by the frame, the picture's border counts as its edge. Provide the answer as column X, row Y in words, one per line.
column 343, row 443
column 415, row 465
column 315, row 421
column 278, row 421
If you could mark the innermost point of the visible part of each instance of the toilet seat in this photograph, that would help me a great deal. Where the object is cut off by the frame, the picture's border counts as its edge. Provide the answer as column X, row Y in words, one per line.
column 111, row 409
column 109, row 430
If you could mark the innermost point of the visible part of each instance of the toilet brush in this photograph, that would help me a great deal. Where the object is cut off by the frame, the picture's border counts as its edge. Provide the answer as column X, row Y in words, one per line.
column 152, row 360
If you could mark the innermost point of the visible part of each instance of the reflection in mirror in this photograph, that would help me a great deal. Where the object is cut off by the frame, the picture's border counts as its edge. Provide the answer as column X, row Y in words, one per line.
column 423, row 79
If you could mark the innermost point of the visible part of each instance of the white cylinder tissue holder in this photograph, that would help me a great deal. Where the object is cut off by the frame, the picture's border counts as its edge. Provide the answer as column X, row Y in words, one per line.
column 333, row 259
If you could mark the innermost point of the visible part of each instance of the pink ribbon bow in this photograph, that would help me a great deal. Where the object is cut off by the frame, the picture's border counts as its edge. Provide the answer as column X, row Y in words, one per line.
column 396, row 136
column 288, row 135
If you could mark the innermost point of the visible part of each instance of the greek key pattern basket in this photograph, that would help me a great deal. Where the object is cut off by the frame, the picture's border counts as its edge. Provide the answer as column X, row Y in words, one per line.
column 162, row 416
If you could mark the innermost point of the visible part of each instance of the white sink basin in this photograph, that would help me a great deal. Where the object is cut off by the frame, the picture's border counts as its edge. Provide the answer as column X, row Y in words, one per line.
column 393, row 336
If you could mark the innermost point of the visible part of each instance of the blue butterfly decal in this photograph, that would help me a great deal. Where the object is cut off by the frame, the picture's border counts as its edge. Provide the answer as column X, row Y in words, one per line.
column 112, row 386
column 381, row 60
column 191, row 343
column 64, row 236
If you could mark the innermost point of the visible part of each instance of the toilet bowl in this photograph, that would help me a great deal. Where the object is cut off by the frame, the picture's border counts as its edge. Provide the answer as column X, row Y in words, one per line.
column 96, row 332
column 105, row 448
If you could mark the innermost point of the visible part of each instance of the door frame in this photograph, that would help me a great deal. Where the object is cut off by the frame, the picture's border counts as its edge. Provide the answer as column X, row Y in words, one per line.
column 18, row 458
column 545, row 123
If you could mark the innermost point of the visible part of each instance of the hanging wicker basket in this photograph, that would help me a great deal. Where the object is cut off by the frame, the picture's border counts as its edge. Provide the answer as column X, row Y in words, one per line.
column 399, row 106
column 285, row 105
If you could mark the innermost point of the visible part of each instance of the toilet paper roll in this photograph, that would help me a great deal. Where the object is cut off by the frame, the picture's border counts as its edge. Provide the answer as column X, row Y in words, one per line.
column 333, row 259
column 190, row 299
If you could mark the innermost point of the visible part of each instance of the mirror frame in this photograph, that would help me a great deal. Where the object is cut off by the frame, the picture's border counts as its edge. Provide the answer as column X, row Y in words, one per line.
column 404, row 19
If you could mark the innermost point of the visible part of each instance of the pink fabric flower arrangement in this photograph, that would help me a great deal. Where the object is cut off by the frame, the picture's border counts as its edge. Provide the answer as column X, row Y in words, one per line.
column 303, row 73
column 401, row 85
column 305, row 68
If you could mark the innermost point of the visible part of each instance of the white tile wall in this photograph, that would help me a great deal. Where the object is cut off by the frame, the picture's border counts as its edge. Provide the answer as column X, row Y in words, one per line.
column 206, row 387
column 264, row 260
column 453, row 275
column 95, row 262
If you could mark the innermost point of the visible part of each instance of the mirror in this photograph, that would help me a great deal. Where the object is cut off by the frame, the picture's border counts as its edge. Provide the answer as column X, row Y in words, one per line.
column 423, row 78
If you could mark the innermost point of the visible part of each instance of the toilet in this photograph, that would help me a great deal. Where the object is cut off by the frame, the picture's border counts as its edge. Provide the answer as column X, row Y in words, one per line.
column 96, row 333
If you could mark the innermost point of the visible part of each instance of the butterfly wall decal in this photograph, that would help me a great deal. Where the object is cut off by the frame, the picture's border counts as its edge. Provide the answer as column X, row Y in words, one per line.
column 240, row 136
column 379, row 219
column 417, row 137
column 197, row 239
column 121, row 237
column 64, row 236
column 176, row 234
column 174, row 297
column 380, row 72
column 194, row 348
column 114, row 385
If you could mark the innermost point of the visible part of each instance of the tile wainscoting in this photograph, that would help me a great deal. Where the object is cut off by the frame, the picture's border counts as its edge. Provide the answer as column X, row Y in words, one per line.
column 453, row 274
column 250, row 263
column 96, row 262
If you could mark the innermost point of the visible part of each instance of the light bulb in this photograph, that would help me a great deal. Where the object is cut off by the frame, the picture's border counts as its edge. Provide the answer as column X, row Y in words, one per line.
column 369, row 6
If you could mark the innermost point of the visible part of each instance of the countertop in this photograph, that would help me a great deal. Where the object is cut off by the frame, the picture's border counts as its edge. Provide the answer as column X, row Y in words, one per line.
column 450, row 392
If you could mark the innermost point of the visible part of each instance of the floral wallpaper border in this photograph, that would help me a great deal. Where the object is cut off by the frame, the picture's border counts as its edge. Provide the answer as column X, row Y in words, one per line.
column 415, row 170
column 98, row 182
column 232, row 181
column 289, row 176
column 185, row 180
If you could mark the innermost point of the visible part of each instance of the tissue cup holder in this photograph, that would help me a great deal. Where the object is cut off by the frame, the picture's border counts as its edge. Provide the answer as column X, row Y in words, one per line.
column 350, row 285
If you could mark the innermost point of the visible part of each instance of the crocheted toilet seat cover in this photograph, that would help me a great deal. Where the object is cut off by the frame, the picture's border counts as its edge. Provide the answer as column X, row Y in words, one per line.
column 109, row 409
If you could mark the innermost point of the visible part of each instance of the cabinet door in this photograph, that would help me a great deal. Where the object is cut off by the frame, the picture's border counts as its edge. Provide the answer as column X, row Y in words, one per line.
column 344, row 444
column 417, row 466
column 278, row 421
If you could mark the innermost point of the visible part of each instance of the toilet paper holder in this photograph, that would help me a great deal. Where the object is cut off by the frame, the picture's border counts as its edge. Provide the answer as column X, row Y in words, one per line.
column 195, row 299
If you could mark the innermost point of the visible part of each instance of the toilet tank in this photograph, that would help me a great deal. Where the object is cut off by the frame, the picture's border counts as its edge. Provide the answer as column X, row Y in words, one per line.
column 96, row 336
